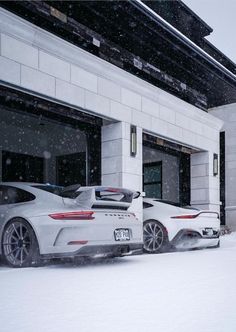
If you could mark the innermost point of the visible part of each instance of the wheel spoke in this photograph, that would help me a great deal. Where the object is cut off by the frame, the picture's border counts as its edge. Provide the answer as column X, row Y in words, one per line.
column 13, row 225
column 9, row 243
column 21, row 231
column 17, row 253
column 26, row 234
column 146, row 230
column 26, row 251
column 21, row 255
column 12, row 251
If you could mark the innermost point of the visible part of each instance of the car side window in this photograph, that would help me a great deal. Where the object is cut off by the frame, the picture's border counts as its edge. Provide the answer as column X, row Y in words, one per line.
column 146, row 205
column 12, row 195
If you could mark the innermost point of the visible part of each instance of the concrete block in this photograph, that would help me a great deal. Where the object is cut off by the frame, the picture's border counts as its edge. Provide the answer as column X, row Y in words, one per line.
column 113, row 131
column 112, row 148
column 200, row 182
column 113, row 179
column 54, row 66
column 19, row 51
column 84, row 79
column 167, row 114
column 109, row 89
column 189, row 138
column 199, row 158
column 159, row 126
column 133, row 166
column 199, row 170
column 182, row 120
column 174, row 132
column 9, row 71
column 150, row 107
column 121, row 112
column 231, row 165
column 132, row 181
column 112, row 165
column 96, row 103
column 199, row 195
column 37, row 81
column 131, row 99
column 141, row 119
column 70, row 93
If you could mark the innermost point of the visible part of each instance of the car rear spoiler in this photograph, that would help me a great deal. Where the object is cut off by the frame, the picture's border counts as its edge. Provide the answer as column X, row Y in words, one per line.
column 106, row 197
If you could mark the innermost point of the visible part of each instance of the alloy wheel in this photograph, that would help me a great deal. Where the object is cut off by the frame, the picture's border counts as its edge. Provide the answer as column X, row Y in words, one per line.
column 17, row 243
column 153, row 236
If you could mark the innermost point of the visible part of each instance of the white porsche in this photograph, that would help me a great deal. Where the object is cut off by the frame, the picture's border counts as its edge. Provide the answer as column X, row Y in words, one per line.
column 167, row 225
column 44, row 221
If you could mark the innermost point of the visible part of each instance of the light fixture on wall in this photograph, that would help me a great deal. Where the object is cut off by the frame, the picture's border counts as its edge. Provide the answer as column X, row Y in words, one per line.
column 215, row 164
column 133, row 141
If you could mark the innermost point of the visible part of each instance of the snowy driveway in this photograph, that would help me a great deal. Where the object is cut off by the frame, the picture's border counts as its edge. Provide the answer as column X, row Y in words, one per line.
column 185, row 291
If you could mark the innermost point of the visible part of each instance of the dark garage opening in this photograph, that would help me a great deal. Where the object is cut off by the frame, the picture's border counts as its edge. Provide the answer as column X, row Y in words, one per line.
column 44, row 142
column 166, row 170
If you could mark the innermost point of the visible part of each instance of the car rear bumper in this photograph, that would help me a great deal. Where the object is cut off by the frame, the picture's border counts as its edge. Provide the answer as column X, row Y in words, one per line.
column 116, row 250
column 187, row 239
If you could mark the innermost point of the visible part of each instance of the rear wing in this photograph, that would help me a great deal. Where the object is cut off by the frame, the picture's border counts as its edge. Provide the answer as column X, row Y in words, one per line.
column 106, row 197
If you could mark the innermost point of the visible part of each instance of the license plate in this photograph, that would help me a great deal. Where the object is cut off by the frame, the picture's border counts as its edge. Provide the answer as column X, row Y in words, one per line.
column 122, row 234
column 209, row 231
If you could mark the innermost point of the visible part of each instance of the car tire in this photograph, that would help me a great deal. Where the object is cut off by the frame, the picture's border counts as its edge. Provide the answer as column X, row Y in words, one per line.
column 155, row 237
column 19, row 244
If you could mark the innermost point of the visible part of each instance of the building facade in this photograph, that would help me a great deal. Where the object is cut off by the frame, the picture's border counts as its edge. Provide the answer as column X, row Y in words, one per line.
column 68, row 115
column 227, row 114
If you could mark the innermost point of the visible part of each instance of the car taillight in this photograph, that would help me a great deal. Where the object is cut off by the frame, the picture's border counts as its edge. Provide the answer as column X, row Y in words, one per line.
column 193, row 216
column 76, row 215
column 185, row 216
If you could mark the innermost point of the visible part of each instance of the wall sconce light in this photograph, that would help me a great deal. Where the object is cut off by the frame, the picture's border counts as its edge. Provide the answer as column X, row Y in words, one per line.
column 215, row 164
column 133, row 141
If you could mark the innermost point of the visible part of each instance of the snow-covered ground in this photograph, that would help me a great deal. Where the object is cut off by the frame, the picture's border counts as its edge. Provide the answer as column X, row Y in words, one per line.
column 184, row 291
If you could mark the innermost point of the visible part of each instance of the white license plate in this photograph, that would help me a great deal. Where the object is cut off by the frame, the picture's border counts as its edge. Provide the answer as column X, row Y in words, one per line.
column 122, row 234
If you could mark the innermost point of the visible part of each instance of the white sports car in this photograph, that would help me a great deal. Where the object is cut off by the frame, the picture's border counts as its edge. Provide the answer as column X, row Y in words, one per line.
column 44, row 221
column 167, row 225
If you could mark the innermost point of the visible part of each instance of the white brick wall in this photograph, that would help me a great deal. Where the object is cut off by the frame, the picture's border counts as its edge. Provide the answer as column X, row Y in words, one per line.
column 54, row 66
column 118, row 167
column 18, row 51
column 121, row 112
column 84, row 79
column 109, row 89
column 131, row 99
column 9, row 71
column 70, row 93
column 35, row 80
column 96, row 103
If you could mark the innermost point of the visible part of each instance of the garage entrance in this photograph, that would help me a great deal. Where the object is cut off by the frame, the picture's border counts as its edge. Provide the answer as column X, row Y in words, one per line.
column 166, row 170
column 44, row 142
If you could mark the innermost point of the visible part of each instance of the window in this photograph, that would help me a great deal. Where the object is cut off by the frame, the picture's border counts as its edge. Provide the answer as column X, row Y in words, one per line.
column 147, row 205
column 12, row 195
column 152, row 179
